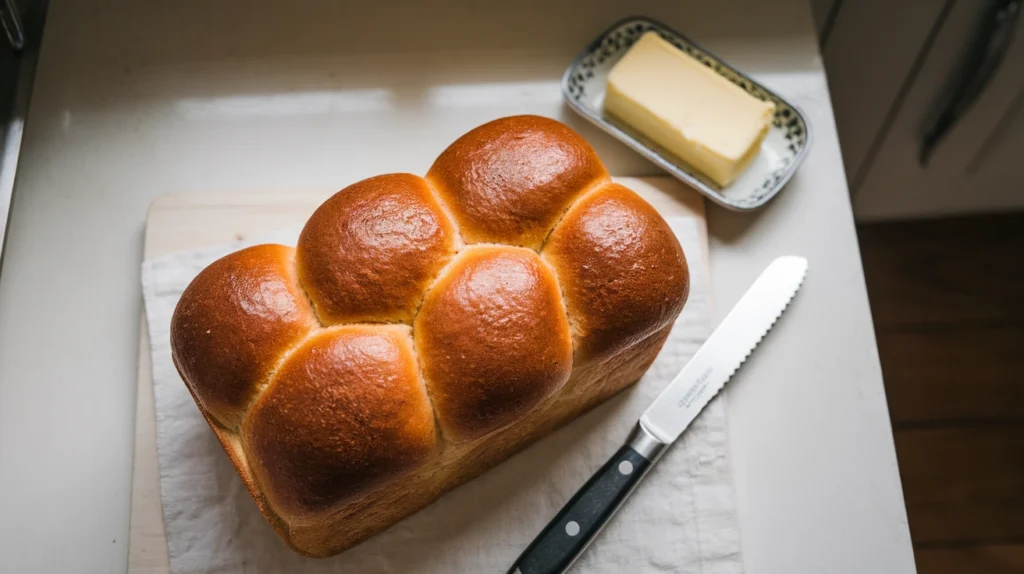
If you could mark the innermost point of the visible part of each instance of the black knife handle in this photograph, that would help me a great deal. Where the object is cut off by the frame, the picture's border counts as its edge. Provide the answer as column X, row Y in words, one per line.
column 579, row 521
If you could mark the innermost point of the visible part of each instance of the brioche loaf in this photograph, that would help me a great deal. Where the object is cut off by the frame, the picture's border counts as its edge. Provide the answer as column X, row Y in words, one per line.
column 425, row 329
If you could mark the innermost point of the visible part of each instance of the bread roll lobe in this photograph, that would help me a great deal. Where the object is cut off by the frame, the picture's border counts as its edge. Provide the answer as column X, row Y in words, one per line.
column 493, row 338
column 345, row 414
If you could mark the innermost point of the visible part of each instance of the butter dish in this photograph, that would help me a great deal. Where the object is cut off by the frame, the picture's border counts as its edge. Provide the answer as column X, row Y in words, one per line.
column 781, row 152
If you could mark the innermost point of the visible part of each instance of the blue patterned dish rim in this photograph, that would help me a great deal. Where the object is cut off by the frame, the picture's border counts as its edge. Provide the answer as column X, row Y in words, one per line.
column 782, row 152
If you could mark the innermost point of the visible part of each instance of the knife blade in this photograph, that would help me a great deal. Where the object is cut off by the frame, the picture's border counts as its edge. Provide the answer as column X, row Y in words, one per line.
column 565, row 538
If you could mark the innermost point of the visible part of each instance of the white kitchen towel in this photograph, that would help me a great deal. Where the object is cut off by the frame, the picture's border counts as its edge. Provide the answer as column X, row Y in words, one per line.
column 682, row 518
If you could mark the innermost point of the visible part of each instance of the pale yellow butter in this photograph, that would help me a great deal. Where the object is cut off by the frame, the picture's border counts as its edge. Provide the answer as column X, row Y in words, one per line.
column 704, row 119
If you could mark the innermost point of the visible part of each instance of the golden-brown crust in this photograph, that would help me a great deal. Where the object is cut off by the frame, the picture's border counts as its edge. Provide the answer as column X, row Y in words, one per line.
column 345, row 414
column 350, row 428
column 493, row 339
column 589, row 385
column 231, row 442
column 621, row 269
column 509, row 180
column 232, row 322
column 368, row 253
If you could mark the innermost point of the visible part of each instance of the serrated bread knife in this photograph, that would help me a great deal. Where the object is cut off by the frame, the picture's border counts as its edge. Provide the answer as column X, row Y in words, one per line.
column 568, row 534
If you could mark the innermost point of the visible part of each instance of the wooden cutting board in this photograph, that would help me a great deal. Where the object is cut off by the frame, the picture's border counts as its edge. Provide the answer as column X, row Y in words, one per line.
column 180, row 222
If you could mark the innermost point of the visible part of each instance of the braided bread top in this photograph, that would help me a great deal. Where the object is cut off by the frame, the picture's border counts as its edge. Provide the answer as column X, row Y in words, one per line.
column 418, row 312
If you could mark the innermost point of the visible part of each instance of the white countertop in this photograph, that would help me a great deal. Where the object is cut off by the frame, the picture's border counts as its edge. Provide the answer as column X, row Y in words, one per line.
column 132, row 102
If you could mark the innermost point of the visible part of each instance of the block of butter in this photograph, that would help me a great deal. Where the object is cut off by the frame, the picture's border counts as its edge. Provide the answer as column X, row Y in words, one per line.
column 685, row 107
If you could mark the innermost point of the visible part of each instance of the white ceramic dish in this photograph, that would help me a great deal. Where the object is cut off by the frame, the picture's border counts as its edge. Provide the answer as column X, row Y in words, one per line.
column 782, row 150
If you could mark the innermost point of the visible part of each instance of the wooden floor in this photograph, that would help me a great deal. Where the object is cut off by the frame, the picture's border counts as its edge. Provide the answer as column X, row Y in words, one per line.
column 948, row 304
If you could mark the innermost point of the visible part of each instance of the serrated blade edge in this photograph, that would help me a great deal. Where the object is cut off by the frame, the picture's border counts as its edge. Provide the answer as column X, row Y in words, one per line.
column 725, row 350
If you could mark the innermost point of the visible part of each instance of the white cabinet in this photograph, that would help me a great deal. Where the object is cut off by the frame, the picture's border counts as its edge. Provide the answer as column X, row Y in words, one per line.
column 887, row 95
